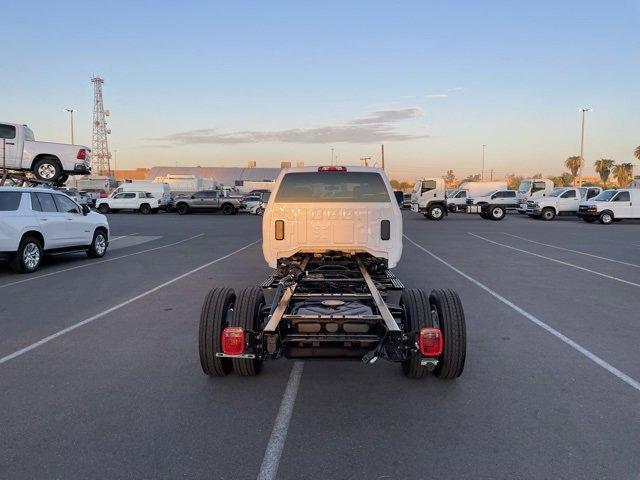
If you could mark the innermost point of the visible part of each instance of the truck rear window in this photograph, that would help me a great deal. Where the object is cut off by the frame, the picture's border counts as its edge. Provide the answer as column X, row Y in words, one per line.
column 9, row 201
column 332, row 187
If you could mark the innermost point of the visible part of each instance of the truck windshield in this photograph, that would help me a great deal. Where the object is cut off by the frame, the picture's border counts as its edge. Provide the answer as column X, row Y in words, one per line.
column 524, row 186
column 604, row 196
column 332, row 187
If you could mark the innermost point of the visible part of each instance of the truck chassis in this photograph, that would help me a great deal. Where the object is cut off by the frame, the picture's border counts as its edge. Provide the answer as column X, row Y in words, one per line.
column 332, row 305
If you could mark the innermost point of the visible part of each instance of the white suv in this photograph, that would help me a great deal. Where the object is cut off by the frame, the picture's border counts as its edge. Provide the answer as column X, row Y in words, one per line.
column 37, row 221
column 143, row 202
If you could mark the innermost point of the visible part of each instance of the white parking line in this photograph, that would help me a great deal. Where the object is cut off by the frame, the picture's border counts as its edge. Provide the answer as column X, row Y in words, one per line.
column 97, row 262
column 271, row 460
column 573, row 251
column 35, row 345
column 591, row 356
column 112, row 239
column 610, row 277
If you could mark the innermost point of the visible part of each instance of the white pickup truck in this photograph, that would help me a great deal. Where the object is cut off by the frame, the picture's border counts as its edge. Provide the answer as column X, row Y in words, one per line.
column 561, row 201
column 49, row 162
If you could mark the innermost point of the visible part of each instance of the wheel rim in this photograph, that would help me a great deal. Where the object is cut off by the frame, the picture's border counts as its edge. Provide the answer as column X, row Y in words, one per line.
column 31, row 256
column 100, row 244
column 497, row 212
column 47, row 171
column 436, row 212
column 547, row 215
column 606, row 218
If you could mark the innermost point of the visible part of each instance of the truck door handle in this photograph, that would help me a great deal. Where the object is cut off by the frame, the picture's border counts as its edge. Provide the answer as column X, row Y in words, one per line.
column 44, row 219
column 9, row 143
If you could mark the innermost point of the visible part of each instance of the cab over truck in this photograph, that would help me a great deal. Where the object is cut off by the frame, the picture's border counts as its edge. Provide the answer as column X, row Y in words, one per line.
column 532, row 189
column 332, row 234
column 49, row 162
column 429, row 198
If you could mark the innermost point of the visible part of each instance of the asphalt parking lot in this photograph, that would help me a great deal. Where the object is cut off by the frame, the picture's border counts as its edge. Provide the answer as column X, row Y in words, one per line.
column 101, row 379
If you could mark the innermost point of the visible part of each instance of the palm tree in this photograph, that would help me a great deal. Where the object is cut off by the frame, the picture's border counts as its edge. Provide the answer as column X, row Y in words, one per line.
column 603, row 168
column 636, row 152
column 573, row 164
column 623, row 173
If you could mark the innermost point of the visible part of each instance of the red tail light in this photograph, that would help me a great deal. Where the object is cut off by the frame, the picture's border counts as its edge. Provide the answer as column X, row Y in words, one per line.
column 82, row 154
column 430, row 342
column 233, row 341
column 103, row 194
column 332, row 168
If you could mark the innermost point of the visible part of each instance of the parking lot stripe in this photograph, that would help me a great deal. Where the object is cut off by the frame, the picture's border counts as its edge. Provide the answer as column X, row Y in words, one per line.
column 591, row 356
column 70, row 328
column 113, row 239
column 89, row 264
column 269, row 467
column 610, row 277
column 573, row 251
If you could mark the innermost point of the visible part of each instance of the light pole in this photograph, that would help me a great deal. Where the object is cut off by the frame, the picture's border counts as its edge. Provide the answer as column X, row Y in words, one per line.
column 115, row 164
column 482, row 172
column 331, row 155
column 71, row 110
column 583, row 110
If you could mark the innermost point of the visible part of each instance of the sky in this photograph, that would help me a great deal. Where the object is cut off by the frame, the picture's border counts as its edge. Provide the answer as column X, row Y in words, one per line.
column 223, row 83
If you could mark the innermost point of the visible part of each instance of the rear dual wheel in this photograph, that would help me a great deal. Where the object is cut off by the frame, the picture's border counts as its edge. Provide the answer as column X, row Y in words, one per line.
column 442, row 309
column 223, row 308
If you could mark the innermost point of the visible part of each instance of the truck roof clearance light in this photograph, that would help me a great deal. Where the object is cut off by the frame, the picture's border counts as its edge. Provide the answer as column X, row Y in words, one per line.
column 332, row 168
column 82, row 154
column 430, row 342
column 233, row 341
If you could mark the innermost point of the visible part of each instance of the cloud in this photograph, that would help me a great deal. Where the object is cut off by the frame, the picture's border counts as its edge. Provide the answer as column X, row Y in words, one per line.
column 457, row 89
column 437, row 95
column 376, row 127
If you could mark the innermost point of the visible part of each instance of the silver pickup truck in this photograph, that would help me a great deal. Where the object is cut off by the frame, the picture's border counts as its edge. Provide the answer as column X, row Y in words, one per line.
column 207, row 200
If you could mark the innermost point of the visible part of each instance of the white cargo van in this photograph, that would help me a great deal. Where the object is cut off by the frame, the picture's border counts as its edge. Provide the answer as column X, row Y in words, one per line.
column 531, row 189
column 161, row 191
column 458, row 201
column 428, row 197
column 611, row 205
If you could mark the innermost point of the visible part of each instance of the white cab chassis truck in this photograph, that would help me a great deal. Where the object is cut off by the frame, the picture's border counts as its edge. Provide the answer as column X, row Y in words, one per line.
column 561, row 201
column 532, row 189
column 429, row 198
column 457, row 202
column 494, row 205
column 332, row 234
column 611, row 206
column 49, row 162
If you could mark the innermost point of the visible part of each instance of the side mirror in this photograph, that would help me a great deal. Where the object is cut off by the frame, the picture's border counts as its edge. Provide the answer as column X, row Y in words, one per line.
column 192, row 196
column 85, row 209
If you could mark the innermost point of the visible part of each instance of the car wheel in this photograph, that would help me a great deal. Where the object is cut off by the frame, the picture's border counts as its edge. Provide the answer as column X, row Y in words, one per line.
column 103, row 208
column 497, row 212
column 145, row 209
column 448, row 315
column 247, row 315
column 415, row 304
column 98, row 246
column 28, row 257
column 259, row 210
column 182, row 209
column 228, row 209
column 47, row 170
column 605, row 218
column 548, row 214
column 213, row 320
column 435, row 212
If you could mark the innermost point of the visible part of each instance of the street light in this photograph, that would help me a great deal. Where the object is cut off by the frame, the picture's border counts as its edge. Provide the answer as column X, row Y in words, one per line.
column 583, row 110
column 71, row 110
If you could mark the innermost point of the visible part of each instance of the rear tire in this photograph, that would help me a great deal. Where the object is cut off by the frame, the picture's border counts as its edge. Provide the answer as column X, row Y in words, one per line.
column 145, row 209
column 103, row 208
column 213, row 320
column 48, row 170
column 548, row 214
column 446, row 307
column 416, row 309
column 28, row 257
column 228, row 209
column 246, row 314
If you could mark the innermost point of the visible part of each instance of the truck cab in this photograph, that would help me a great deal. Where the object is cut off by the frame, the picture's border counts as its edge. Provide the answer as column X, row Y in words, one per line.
column 49, row 162
column 428, row 197
column 561, row 201
column 532, row 188
column 611, row 205
column 457, row 201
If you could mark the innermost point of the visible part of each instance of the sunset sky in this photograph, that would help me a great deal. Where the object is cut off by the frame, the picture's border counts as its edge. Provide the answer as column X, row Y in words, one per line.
column 221, row 83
